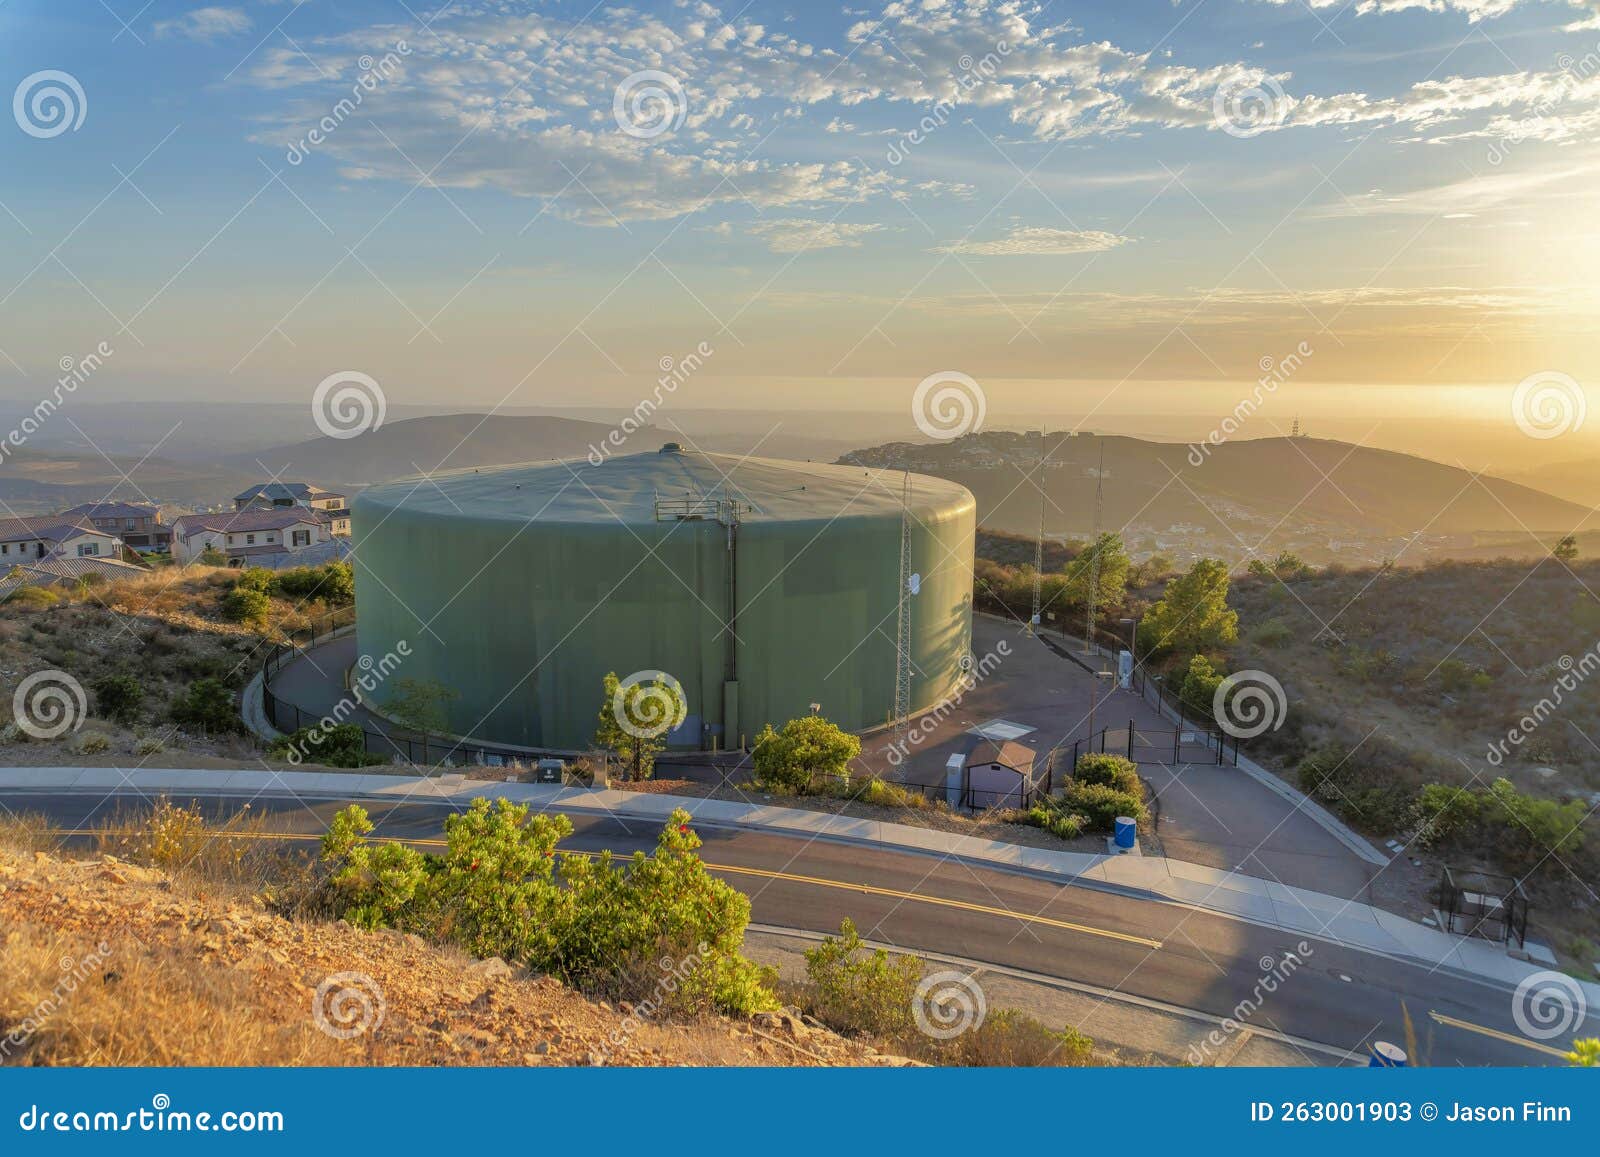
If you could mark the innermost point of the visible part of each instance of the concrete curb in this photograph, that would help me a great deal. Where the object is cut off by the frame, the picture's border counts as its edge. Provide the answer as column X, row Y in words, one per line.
column 1225, row 894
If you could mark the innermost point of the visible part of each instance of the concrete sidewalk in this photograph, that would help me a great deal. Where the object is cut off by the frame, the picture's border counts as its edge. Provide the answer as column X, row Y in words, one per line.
column 1223, row 893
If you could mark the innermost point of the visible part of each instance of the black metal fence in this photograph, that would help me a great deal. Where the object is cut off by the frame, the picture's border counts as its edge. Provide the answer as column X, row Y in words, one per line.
column 1485, row 904
column 1142, row 745
column 422, row 750
column 1156, row 691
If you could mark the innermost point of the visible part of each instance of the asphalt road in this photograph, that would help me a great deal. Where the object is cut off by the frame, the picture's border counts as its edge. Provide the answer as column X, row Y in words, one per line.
column 1336, row 996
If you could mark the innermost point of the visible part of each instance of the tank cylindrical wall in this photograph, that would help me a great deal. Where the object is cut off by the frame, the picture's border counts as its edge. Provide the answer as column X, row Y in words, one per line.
column 524, row 618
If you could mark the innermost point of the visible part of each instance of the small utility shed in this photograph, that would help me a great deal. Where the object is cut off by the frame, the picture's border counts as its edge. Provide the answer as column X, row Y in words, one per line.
column 999, row 774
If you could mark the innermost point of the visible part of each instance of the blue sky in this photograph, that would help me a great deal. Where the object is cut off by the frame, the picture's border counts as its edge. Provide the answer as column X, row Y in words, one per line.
column 1079, row 203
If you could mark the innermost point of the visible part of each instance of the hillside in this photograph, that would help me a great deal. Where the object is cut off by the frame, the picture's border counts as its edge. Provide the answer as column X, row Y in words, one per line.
column 39, row 482
column 158, row 964
column 1326, row 500
column 426, row 445
column 1577, row 480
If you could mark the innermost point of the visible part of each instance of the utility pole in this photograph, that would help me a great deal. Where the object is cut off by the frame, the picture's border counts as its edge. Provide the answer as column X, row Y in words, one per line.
column 902, row 633
column 1038, row 545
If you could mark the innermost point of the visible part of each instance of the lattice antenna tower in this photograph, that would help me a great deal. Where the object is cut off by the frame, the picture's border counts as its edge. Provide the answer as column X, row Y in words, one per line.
column 1092, row 596
column 1038, row 543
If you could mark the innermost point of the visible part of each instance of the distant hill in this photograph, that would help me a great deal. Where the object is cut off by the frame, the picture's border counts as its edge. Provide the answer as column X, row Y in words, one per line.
column 38, row 482
column 1577, row 480
column 445, row 442
column 1305, row 493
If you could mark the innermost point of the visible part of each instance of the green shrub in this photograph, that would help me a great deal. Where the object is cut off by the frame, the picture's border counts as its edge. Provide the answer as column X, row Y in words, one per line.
column 1008, row 1038
column 1446, row 814
column 1273, row 633
column 32, row 597
column 620, row 930
column 1101, row 805
column 806, row 749
column 246, row 604
column 333, row 583
column 208, row 704
column 1050, row 816
column 1531, row 833
column 859, row 990
column 343, row 745
column 119, row 697
column 255, row 578
column 1111, row 770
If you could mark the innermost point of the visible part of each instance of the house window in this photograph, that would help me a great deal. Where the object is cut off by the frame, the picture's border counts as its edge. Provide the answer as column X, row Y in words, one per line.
column 87, row 548
column 132, row 524
column 249, row 540
column 302, row 538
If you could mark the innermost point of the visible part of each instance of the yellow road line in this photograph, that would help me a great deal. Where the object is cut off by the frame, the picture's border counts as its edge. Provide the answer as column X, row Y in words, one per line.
column 1509, row 1038
column 732, row 869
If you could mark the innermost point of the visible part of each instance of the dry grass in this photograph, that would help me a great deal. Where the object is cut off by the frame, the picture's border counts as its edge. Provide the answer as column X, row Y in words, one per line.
column 74, row 1001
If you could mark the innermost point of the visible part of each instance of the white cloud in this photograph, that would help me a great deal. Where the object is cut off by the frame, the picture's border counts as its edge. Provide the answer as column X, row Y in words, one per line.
column 206, row 24
column 524, row 102
column 797, row 234
column 1039, row 240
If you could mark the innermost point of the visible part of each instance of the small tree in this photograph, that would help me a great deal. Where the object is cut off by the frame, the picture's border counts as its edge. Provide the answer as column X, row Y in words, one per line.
column 804, row 749
column 1199, row 688
column 1193, row 614
column 1566, row 548
column 211, row 556
column 634, row 721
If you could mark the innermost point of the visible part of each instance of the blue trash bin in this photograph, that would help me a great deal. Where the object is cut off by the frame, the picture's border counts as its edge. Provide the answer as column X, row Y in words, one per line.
column 1387, row 1056
column 1125, row 832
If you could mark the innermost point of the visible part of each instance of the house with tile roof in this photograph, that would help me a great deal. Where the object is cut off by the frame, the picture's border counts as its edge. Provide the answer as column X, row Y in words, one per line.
column 284, row 495
column 53, row 536
column 272, row 537
column 138, row 524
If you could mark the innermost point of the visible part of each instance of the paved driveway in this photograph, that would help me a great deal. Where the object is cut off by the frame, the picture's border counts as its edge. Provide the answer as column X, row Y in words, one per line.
column 1217, row 816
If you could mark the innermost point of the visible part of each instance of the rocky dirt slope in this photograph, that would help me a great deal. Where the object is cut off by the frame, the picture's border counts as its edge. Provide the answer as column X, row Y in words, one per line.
column 106, row 963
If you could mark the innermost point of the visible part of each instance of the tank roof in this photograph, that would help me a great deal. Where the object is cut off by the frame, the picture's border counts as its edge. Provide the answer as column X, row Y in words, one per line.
column 669, row 482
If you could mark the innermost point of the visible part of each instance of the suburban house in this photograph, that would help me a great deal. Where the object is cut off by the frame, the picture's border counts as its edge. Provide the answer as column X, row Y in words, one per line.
column 999, row 773
column 331, row 505
column 269, row 537
column 138, row 524
column 54, row 536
